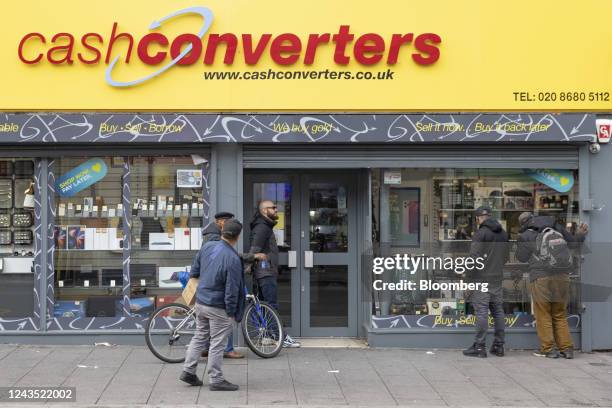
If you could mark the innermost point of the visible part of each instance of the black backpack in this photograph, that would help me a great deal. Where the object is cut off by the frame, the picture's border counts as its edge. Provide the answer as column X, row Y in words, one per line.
column 552, row 249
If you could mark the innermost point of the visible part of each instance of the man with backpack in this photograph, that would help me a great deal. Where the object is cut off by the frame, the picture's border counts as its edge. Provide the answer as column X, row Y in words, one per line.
column 489, row 243
column 545, row 245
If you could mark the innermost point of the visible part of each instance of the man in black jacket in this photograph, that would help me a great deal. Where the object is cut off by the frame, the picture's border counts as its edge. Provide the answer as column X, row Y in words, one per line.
column 212, row 232
column 549, row 286
column 265, row 272
column 491, row 244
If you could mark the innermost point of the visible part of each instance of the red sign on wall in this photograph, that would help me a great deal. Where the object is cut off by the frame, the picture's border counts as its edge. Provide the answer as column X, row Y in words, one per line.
column 604, row 127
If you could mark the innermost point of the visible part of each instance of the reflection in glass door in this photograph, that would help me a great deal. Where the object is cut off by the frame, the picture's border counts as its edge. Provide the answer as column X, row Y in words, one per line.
column 316, row 237
column 329, row 258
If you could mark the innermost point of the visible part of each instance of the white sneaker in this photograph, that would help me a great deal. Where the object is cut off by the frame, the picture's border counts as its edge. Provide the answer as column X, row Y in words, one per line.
column 290, row 343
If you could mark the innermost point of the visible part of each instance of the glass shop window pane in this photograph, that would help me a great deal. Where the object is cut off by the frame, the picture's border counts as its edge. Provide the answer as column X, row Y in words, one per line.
column 16, row 237
column 88, row 237
column 445, row 201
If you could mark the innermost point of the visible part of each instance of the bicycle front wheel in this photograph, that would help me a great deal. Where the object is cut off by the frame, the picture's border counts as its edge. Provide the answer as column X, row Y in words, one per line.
column 169, row 331
column 263, row 330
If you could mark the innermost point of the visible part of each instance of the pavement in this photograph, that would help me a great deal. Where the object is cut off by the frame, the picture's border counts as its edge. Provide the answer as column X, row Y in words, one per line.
column 132, row 376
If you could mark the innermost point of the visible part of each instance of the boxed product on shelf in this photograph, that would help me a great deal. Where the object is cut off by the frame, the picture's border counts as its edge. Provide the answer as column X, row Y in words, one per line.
column 168, row 278
column 142, row 275
column 160, row 241
column 101, row 306
column 139, row 306
column 196, row 238
column 69, row 308
column 112, row 277
column 182, row 239
column 76, row 237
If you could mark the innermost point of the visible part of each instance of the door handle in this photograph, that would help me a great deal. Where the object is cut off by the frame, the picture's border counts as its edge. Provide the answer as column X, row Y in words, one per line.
column 292, row 259
column 308, row 259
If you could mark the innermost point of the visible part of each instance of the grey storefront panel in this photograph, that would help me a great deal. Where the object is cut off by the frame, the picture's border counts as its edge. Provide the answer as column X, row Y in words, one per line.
column 428, row 156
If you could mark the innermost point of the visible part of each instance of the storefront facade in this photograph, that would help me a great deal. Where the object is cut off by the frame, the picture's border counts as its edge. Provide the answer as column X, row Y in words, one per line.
column 105, row 195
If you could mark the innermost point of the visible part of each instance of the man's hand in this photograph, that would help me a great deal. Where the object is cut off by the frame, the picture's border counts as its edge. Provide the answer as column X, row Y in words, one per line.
column 261, row 256
column 583, row 229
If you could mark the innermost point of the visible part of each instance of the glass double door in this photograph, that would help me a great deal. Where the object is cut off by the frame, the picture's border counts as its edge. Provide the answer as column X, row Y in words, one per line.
column 316, row 236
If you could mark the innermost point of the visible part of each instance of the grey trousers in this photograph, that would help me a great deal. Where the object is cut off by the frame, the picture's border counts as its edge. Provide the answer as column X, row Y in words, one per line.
column 213, row 326
column 482, row 302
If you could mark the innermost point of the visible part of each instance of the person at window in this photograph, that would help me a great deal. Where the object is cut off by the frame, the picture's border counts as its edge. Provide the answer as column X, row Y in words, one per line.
column 265, row 272
column 212, row 232
column 549, row 285
column 220, row 304
column 490, row 243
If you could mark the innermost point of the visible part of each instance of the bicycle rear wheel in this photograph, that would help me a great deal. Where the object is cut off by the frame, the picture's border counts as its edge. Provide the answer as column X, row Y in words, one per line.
column 169, row 331
column 263, row 330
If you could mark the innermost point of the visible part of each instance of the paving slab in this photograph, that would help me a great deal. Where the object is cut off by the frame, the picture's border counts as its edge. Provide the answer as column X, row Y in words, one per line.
column 313, row 377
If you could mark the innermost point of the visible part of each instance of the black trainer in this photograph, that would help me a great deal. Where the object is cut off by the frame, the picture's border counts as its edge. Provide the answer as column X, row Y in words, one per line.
column 476, row 351
column 190, row 379
column 497, row 350
column 223, row 386
column 569, row 354
column 551, row 354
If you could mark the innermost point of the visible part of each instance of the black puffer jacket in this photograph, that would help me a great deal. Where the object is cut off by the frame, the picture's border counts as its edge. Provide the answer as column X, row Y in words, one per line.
column 491, row 243
column 526, row 245
column 263, row 240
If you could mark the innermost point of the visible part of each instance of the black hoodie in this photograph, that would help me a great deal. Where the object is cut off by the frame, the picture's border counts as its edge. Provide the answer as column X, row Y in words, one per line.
column 491, row 243
column 527, row 244
column 263, row 240
column 213, row 233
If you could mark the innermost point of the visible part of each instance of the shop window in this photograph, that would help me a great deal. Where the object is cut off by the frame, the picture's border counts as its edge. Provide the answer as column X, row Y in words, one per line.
column 430, row 213
column 16, row 237
column 88, row 237
column 167, row 213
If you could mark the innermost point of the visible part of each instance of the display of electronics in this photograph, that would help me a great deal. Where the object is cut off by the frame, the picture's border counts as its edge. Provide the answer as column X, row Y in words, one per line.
column 23, row 237
column 139, row 306
column 6, row 193
column 101, row 306
column 112, row 277
column 5, row 220
column 64, row 278
column 23, row 219
column 21, row 185
column 86, row 278
column 143, row 275
column 6, row 237
column 23, row 168
column 6, row 168
column 69, row 308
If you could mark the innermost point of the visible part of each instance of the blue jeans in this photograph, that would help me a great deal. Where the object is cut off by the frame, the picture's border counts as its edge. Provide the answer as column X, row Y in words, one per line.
column 230, row 344
column 267, row 290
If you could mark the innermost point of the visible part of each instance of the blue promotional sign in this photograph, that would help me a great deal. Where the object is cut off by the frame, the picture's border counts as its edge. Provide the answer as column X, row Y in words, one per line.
column 559, row 180
column 81, row 177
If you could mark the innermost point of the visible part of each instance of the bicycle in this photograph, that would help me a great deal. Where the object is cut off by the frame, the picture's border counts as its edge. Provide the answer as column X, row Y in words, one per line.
column 171, row 327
